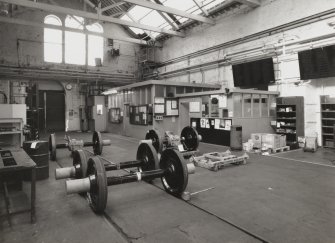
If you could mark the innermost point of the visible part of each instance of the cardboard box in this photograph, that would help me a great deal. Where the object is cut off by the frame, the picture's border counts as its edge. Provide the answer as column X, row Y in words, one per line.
column 272, row 140
column 247, row 147
column 257, row 139
column 282, row 140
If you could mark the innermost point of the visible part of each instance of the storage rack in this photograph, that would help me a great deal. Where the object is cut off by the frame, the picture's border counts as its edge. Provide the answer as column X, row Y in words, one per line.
column 290, row 118
column 327, row 121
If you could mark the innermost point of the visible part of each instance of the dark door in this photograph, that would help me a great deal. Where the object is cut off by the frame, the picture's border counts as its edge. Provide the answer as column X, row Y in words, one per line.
column 53, row 116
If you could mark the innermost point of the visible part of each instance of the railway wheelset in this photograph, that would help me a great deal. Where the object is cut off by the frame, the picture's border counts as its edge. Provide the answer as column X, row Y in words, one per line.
column 91, row 178
column 97, row 144
column 172, row 166
column 187, row 142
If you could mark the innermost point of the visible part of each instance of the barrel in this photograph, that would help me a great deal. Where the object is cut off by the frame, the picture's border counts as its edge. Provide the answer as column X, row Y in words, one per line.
column 38, row 151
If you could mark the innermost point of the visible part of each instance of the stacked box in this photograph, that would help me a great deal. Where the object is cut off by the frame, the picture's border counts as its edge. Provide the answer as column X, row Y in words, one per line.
column 282, row 140
column 272, row 140
column 257, row 139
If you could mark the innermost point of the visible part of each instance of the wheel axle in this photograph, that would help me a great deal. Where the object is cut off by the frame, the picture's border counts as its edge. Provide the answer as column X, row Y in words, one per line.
column 173, row 171
column 74, row 144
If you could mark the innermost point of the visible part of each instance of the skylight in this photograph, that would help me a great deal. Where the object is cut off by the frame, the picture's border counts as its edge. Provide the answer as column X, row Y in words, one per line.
column 153, row 18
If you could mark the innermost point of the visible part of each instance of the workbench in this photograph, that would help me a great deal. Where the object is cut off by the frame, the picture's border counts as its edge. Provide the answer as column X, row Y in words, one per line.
column 13, row 163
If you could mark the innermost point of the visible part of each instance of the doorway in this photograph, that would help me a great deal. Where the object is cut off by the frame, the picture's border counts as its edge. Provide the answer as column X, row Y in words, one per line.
column 52, row 107
column 184, row 119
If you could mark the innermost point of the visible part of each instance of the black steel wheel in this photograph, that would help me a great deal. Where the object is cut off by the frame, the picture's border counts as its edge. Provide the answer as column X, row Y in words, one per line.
column 52, row 146
column 79, row 158
column 148, row 155
column 98, row 193
column 190, row 138
column 176, row 177
column 97, row 143
column 155, row 137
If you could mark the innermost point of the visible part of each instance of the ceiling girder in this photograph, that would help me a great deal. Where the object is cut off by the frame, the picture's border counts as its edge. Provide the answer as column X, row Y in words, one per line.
column 166, row 9
column 58, row 9
column 112, row 6
column 42, row 25
column 250, row 3
column 200, row 7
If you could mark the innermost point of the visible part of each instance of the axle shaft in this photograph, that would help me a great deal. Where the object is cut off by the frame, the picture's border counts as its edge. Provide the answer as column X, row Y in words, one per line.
column 145, row 175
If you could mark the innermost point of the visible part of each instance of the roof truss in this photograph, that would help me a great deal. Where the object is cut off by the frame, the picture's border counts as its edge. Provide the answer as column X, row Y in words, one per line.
column 42, row 25
column 95, row 16
column 174, row 11
column 250, row 3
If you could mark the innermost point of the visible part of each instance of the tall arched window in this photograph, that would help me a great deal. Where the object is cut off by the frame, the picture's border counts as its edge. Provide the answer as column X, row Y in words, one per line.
column 52, row 40
column 75, row 43
column 95, row 44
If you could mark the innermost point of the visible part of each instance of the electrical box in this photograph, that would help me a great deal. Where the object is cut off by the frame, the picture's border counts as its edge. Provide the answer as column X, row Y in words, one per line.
column 97, row 115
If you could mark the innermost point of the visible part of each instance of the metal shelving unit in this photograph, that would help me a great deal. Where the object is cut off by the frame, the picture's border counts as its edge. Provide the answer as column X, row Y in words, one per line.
column 290, row 118
column 327, row 121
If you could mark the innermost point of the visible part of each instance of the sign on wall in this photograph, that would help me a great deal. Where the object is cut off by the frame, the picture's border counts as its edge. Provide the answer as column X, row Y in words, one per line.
column 194, row 106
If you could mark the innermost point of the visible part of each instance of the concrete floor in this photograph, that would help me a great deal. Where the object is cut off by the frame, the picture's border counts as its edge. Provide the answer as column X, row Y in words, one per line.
column 286, row 197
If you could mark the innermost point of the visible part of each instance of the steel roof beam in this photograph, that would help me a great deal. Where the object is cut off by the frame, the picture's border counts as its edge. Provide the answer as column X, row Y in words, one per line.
column 58, row 9
column 174, row 11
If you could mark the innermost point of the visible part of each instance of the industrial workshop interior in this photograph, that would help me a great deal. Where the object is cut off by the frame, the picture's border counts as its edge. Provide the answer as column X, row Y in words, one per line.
column 167, row 121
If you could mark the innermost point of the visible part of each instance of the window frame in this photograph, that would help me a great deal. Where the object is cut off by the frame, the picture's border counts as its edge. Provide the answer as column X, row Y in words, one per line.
column 65, row 28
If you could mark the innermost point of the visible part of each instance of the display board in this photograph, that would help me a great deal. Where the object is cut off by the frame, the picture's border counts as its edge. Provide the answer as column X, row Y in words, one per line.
column 159, row 106
column 256, row 74
column 140, row 115
column 194, row 106
column 172, row 107
column 317, row 63
column 213, row 130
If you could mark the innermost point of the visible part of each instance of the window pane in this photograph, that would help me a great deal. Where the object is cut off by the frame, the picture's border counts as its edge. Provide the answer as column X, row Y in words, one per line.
column 95, row 28
column 52, row 19
column 52, row 45
column 189, row 89
column 159, row 91
column 264, row 105
column 170, row 91
column 255, row 106
column 74, row 22
column 95, row 49
column 237, row 99
column 180, row 90
column 149, row 95
column 247, row 105
column 75, row 50
column 143, row 101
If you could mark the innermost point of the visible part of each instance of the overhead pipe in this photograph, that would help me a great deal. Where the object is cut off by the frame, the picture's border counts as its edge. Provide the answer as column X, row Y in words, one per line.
column 295, row 24
column 244, row 55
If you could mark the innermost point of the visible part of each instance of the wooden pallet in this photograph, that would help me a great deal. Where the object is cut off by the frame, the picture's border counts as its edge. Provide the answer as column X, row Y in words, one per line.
column 217, row 160
column 281, row 149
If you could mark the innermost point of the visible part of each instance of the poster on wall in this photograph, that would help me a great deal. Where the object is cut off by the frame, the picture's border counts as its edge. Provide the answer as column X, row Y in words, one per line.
column 227, row 124
column 203, row 123
column 171, row 107
column 174, row 104
column 99, row 109
column 222, row 101
column 159, row 100
column 217, row 124
column 159, row 109
column 194, row 106
column 207, row 123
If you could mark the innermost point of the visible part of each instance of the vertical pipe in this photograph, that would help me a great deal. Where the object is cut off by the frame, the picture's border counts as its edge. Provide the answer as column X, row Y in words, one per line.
column 45, row 110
